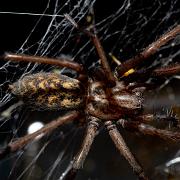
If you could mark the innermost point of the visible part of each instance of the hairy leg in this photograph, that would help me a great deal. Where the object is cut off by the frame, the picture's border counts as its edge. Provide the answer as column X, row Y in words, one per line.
column 105, row 65
column 170, row 117
column 124, row 150
column 167, row 71
column 149, row 130
column 146, row 73
column 149, row 51
column 21, row 142
column 61, row 62
column 86, row 145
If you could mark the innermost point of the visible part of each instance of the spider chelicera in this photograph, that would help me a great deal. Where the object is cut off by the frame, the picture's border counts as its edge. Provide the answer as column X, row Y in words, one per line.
column 102, row 99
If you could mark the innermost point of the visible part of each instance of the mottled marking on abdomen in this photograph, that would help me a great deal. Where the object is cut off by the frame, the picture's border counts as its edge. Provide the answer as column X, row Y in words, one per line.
column 55, row 101
column 49, row 91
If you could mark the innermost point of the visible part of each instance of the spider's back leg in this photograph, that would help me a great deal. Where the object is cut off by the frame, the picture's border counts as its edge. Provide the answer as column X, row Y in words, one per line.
column 124, row 150
column 23, row 141
column 79, row 159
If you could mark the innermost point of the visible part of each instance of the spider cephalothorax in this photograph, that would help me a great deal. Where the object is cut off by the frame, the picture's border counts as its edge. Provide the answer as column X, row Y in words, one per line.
column 107, row 102
column 119, row 103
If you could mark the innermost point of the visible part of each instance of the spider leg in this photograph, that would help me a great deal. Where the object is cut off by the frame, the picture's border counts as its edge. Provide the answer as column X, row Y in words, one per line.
column 149, row 51
column 61, row 62
column 124, row 150
column 86, row 145
column 105, row 65
column 146, row 73
column 21, row 142
column 149, row 130
column 148, row 118
column 167, row 71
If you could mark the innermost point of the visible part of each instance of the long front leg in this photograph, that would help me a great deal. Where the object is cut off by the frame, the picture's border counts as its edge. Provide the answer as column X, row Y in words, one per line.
column 124, row 150
column 86, row 145
column 111, row 81
column 61, row 62
column 149, row 51
column 145, row 74
column 23, row 141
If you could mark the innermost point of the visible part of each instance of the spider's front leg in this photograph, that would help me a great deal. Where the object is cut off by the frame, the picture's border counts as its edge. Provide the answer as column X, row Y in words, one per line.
column 79, row 159
column 149, row 51
column 124, row 150
column 61, row 62
column 23, row 141
column 146, row 73
column 110, row 79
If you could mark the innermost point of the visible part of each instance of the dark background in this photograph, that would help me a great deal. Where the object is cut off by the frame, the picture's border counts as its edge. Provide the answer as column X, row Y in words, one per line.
column 103, row 162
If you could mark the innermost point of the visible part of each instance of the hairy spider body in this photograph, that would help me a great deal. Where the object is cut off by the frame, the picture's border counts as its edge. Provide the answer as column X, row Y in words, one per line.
column 108, row 100
column 49, row 91
column 122, row 102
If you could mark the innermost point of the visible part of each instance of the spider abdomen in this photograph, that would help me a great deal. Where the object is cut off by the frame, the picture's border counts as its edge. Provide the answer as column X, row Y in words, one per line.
column 49, row 91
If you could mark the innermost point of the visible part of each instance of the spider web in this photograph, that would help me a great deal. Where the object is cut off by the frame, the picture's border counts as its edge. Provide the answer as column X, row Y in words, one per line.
column 125, row 28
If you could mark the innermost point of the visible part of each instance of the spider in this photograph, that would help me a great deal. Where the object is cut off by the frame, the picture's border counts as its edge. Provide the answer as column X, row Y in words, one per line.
column 102, row 99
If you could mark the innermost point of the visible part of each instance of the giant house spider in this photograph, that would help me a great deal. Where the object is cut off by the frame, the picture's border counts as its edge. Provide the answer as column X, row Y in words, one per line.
column 102, row 99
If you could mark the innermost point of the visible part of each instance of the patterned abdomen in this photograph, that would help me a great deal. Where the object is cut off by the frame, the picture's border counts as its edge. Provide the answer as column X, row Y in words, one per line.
column 49, row 91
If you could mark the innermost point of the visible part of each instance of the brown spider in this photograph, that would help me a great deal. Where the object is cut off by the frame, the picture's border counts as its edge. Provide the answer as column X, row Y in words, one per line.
column 103, row 97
